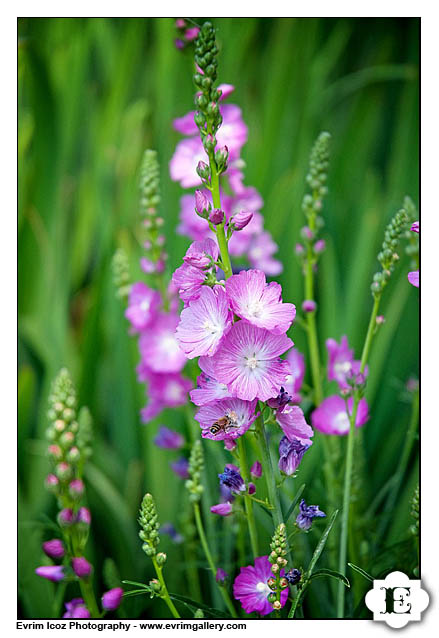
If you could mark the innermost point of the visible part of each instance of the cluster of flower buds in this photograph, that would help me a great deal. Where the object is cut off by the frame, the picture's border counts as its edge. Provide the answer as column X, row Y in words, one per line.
column 388, row 256
column 278, row 561
column 309, row 252
column 415, row 512
column 196, row 465
column 155, row 261
column 148, row 521
column 412, row 246
column 186, row 33
column 208, row 117
column 121, row 273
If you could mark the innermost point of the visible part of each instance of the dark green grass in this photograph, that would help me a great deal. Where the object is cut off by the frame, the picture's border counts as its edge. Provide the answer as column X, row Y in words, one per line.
column 93, row 94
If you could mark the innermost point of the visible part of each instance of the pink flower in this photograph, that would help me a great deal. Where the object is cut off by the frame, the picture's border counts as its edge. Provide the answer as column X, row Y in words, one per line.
column 331, row 416
column 208, row 388
column 226, row 418
column 413, row 278
column 415, row 227
column 223, row 509
column 259, row 303
column 341, row 363
column 293, row 423
column 204, row 323
column 191, row 224
column 142, row 306
column 188, row 280
column 260, row 254
column 247, row 361
column 183, row 164
column 159, row 346
column 55, row 573
column 164, row 391
column 200, row 254
column 226, row 90
column 251, row 587
column 294, row 378
column 168, row 439
column 76, row 609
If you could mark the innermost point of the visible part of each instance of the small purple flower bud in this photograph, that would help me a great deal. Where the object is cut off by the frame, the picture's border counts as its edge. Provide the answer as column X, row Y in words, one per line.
column 216, row 216
column 241, row 219
column 221, row 156
column 76, row 488
column 202, row 205
column 54, row 548
column 251, row 488
column 63, row 471
column 181, row 467
column 293, row 576
column 76, row 609
column 51, row 482
column 203, row 171
column 380, row 320
column 180, row 23
column 73, row 454
column 168, row 439
column 307, row 233
column 223, row 509
column 256, row 470
column 299, row 249
column 191, row 34
column 319, row 246
column 55, row 573
column 66, row 517
column 55, row 451
column 221, row 576
column 309, row 305
column 84, row 516
column 112, row 598
column 81, row 567
column 232, row 478
column 179, row 44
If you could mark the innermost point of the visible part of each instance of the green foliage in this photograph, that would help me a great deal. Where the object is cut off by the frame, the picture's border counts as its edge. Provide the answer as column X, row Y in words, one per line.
column 93, row 94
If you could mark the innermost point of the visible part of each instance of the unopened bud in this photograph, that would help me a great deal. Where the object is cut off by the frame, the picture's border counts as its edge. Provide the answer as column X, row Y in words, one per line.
column 66, row 517
column 63, row 471
column 76, row 488
column 202, row 205
column 161, row 559
column 271, row 582
column 277, row 604
column 216, row 216
column 309, row 305
column 241, row 219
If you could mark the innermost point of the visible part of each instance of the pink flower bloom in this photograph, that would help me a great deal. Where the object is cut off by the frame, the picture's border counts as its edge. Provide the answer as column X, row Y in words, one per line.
column 341, row 363
column 413, row 278
column 204, row 323
column 294, row 378
column 226, row 418
column 191, row 34
column 226, row 90
column 415, row 227
column 223, row 509
column 233, row 131
column 293, row 423
column 208, row 388
column 188, row 280
column 260, row 254
column 159, row 346
column 55, row 573
column 259, row 303
column 112, row 598
column 331, row 416
column 251, row 587
column 242, row 219
column 142, row 306
column 247, row 361
column 168, row 439
column 201, row 253
column 76, row 609
column 164, row 391
column 183, row 164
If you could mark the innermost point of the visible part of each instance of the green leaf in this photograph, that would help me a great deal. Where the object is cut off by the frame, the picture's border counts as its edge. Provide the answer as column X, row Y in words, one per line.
column 133, row 582
column 361, row 571
column 194, row 605
column 321, row 544
column 295, row 501
column 332, row 574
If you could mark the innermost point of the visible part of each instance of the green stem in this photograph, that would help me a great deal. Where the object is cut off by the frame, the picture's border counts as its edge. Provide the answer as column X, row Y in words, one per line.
column 349, row 461
column 203, row 539
column 89, row 598
column 164, row 590
column 248, row 502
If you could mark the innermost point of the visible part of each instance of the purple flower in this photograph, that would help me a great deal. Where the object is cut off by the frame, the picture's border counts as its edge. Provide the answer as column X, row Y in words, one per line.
column 293, row 576
column 54, row 548
column 241, row 219
column 221, row 576
column 142, row 306
column 164, row 391
column 186, row 125
column 278, row 403
column 191, row 33
column 55, row 573
column 201, row 253
column 247, row 361
column 319, row 246
column 259, row 303
column 413, row 278
column 188, row 281
column 232, row 479
column 84, row 516
column 341, row 364
column 260, row 254
column 204, row 323
column 159, row 346
column 415, row 227
column 66, row 517
column 294, row 379
column 223, row 509
column 168, row 439
column 331, row 416
column 306, row 514
column 291, row 452
column 251, row 488
column 226, row 418
column 256, row 469
column 112, row 598
column 309, row 305
column 76, row 609
column 183, row 164
column 251, row 587
column 208, row 388
column 181, row 467
column 81, row 567
column 293, row 423
column 169, row 529
column 51, row 481
column 216, row 216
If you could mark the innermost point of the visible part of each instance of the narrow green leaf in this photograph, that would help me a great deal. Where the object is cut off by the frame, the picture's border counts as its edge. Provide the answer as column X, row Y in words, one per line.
column 133, row 582
column 321, row 544
column 361, row 571
column 192, row 604
column 295, row 501
column 321, row 573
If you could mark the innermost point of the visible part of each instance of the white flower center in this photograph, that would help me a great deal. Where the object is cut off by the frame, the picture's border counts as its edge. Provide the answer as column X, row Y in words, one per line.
column 257, row 252
column 252, row 363
column 211, row 328
column 173, row 392
column 342, row 367
column 255, row 308
column 263, row 588
column 341, row 422
column 145, row 305
column 170, row 345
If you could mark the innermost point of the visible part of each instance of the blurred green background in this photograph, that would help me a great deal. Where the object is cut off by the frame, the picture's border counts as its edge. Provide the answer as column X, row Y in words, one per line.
column 93, row 94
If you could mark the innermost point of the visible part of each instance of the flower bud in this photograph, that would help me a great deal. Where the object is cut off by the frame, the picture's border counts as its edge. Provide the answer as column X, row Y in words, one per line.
column 73, row 454
column 299, row 249
column 309, row 305
column 81, row 567
column 76, row 488
column 283, row 583
column 271, row 582
column 319, row 246
column 251, row 488
column 54, row 548
column 271, row 597
column 66, row 517
column 241, row 219
column 67, row 438
column 380, row 320
column 221, row 576
column 203, row 170
column 209, row 143
column 307, row 233
column 155, row 585
column 202, row 205
column 256, row 470
column 293, row 576
column 84, row 516
column 59, row 425
column 216, row 216
column 161, row 559
column 51, row 482
column 277, row 604
column 54, row 451
column 63, row 471
column 112, row 599
column 221, row 157
column 55, row 573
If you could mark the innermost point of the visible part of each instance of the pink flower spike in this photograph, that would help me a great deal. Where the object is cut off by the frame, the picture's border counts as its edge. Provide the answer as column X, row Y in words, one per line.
column 293, row 423
column 142, row 306
column 251, row 587
column 159, row 346
column 226, row 418
column 413, row 278
column 248, row 362
column 223, row 509
column 204, row 323
column 258, row 303
column 331, row 416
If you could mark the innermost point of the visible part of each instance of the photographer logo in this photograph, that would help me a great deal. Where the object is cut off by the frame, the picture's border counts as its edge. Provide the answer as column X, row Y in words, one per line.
column 397, row 600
